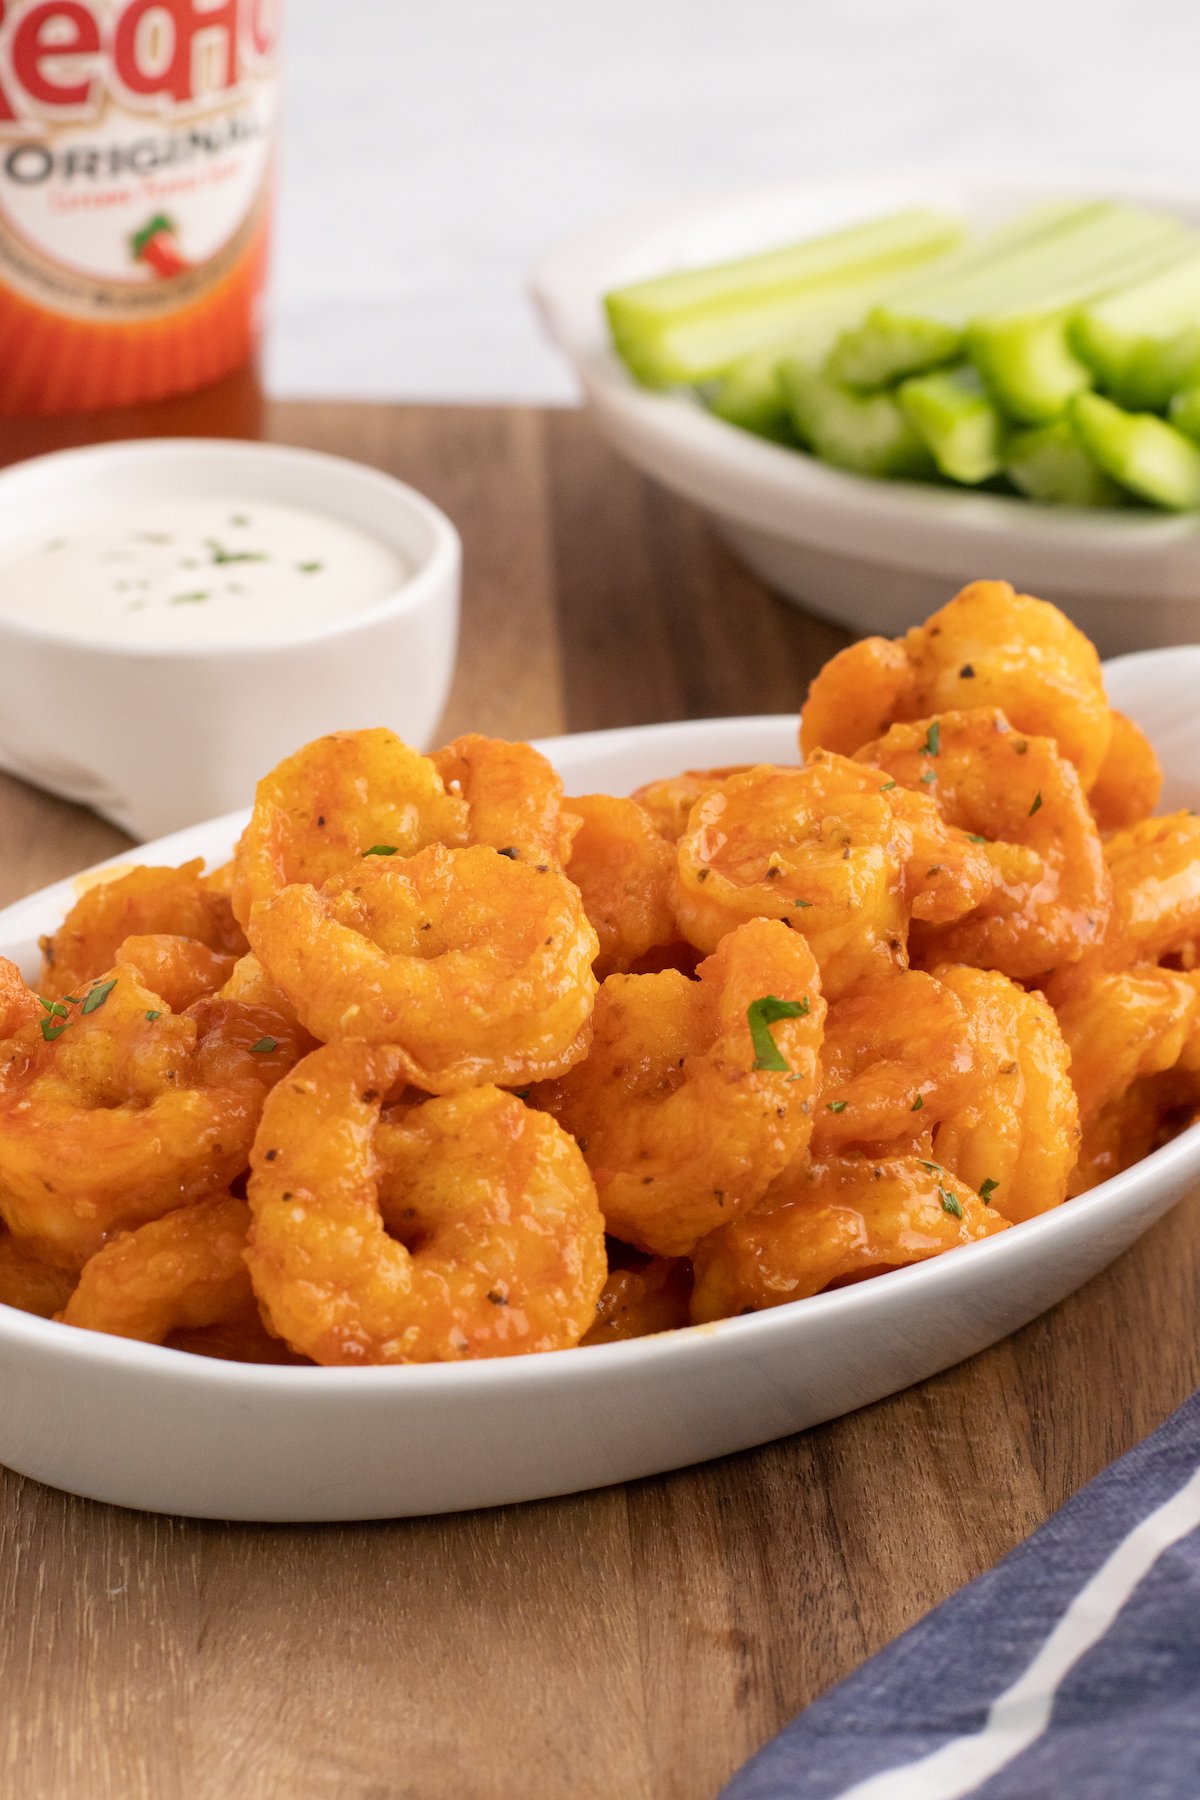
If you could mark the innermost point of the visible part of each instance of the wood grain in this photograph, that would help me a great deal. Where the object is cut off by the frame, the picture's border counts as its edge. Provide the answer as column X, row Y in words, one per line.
column 636, row 1644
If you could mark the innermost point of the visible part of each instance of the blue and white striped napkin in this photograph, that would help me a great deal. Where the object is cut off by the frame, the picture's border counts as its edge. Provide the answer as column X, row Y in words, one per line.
column 1072, row 1669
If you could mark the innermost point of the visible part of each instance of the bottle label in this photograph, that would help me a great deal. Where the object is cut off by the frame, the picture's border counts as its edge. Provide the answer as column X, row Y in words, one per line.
column 135, row 148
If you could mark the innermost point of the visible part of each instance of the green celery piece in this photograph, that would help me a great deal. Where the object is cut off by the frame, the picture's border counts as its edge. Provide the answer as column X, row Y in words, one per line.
column 1028, row 365
column 1142, row 341
column 1027, row 358
column 1185, row 412
column 891, row 343
column 954, row 417
column 752, row 396
column 704, row 346
column 1140, row 451
column 868, row 433
column 689, row 326
column 1048, row 463
column 1062, row 261
column 909, row 335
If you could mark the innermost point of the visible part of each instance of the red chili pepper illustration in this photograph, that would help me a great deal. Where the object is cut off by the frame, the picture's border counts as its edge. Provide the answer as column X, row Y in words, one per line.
column 156, row 246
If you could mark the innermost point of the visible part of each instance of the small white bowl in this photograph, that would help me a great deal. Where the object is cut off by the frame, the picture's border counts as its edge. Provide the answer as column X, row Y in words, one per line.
column 159, row 737
column 871, row 554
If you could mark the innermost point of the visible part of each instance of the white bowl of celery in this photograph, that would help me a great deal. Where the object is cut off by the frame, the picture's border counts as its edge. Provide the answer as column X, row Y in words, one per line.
column 881, row 389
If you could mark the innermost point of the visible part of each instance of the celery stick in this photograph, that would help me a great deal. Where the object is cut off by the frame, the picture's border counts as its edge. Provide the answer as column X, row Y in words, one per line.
column 1028, row 364
column 1185, row 412
column 896, row 340
column 1049, row 463
column 705, row 346
column 1142, row 341
column 689, row 326
column 868, row 433
column 752, row 396
column 1141, row 451
column 1091, row 248
column 956, row 420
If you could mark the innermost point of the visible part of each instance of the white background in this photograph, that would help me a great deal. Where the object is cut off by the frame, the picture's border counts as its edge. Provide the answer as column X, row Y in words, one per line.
column 434, row 148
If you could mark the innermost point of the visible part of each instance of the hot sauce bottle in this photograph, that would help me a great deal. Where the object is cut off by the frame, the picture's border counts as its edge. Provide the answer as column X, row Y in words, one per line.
column 136, row 141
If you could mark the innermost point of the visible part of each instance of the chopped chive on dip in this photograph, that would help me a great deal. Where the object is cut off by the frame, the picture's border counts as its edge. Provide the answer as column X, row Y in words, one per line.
column 761, row 1014
column 220, row 554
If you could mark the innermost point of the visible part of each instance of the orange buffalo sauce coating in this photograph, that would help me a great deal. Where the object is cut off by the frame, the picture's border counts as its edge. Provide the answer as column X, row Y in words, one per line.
column 597, row 1068
column 135, row 167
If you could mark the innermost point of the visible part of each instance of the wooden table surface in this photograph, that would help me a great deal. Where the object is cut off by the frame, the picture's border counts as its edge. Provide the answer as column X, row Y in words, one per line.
column 634, row 1644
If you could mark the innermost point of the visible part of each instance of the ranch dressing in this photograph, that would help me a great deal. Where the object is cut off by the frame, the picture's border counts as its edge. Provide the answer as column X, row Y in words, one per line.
column 194, row 571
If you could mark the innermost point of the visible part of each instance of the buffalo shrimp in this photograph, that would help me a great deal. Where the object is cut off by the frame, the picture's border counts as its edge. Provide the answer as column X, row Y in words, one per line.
column 477, row 968
column 989, row 647
column 463, row 1226
column 695, row 1094
column 831, row 1221
column 1022, row 803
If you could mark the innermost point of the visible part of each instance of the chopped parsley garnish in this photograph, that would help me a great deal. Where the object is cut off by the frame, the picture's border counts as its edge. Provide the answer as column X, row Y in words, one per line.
column 886, row 786
column 802, row 903
column 987, row 1189
column 264, row 1046
column 50, row 1030
column 95, row 997
column 933, row 739
column 761, row 1014
column 54, row 1006
column 381, row 850
column 188, row 599
column 928, row 776
column 1037, row 803
column 973, row 837
column 917, row 1104
column 221, row 555
column 151, row 1016
column 933, row 1168
column 950, row 1202
column 310, row 568
column 838, row 1105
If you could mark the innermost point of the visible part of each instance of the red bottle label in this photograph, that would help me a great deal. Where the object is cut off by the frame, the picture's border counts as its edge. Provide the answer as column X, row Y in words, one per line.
column 135, row 145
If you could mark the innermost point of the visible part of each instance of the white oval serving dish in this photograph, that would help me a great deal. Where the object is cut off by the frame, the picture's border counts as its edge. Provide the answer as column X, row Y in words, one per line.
column 872, row 554
column 156, row 736
column 167, row 1432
